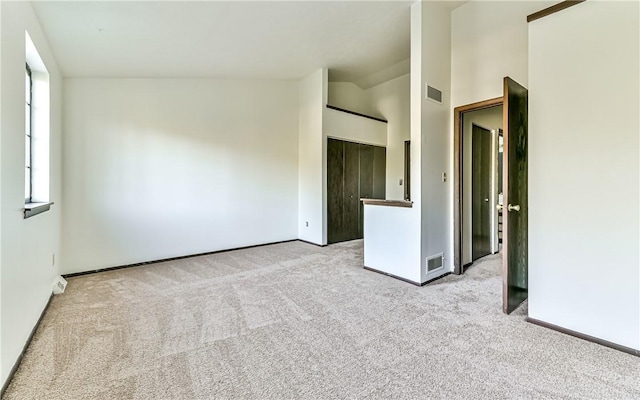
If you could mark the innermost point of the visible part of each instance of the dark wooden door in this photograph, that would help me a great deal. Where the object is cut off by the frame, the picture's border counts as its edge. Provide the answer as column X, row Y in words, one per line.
column 366, row 183
column 354, row 171
column 335, row 190
column 366, row 171
column 515, row 182
column 480, row 192
column 351, row 210
column 379, row 172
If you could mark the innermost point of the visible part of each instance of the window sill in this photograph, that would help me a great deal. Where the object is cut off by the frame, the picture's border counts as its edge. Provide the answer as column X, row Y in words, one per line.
column 31, row 209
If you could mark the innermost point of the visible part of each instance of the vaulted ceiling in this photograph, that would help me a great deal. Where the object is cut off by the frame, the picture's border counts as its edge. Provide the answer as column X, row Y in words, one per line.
column 229, row 39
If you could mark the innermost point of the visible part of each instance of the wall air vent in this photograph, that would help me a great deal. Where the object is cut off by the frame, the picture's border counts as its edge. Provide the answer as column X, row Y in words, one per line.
column 434, row 94
column 59, row 284
column 435, row 262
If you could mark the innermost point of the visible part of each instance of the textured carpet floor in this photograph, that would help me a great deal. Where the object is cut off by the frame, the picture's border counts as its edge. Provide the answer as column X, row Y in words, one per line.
column 295, row 321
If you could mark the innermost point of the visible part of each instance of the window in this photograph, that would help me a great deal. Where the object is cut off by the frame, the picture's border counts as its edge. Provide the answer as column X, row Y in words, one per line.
column 28, row 177
column 36, row 132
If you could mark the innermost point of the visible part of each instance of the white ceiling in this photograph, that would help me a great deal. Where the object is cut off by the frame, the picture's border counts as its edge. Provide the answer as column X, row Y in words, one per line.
column 232, row 39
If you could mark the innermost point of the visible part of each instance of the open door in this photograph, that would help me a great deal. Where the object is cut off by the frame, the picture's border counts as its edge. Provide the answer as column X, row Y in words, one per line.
column 515, row 181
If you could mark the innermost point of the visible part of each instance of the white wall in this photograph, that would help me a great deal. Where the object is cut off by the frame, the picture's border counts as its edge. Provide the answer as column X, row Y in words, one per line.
column 317, row 123
column 436, row 146
column 584, row 242
column 489, row 42
column 351, row 97
column 423, row 230
column 2, row 373
column 345, row 126
column 392, row 241
column 391, row 100
column 392, row 234
column 27, row 245
column 491, row 119
column 311, row 158
column 158, row 168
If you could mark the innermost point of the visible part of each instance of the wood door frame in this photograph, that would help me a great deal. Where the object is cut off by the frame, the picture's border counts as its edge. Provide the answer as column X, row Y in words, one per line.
column 457, row 175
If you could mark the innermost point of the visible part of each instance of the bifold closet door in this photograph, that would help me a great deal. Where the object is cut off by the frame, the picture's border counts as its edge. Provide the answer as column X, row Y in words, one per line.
column 354, row 171
column 352, row 192
column 379, row 172
column 335, row 190
column 366, row 183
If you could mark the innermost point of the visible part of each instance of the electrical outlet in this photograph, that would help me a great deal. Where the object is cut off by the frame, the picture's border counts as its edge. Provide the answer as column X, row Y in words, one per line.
column 306, row 223
column 444, row 177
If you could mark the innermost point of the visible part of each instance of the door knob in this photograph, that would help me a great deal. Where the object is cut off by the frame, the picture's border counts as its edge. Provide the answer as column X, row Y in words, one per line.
column 486, row 200
column 512, row 208
column 499, row 207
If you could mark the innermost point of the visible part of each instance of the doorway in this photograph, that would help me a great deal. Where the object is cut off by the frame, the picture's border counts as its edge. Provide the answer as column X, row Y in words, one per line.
column 479, row 175
column 510, row 214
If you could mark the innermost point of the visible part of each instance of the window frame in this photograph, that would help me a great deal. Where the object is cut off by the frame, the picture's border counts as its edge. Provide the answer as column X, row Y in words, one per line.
column 37, row 137
column 29, row 134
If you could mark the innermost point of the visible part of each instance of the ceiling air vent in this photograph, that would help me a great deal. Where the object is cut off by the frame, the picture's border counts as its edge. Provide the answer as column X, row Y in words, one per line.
column 434, row 94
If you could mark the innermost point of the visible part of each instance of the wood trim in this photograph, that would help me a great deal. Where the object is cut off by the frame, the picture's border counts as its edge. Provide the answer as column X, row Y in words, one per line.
column 392, row 276
column 405, row 279
column 16, row 365
column 357, row 113
column 308, row 242
column 95, row 271
column 457, row 175
column 480, row 105
column 583, row 336
column 388, row 203
column 407, row 170
column 436, row 278
column 553, row 9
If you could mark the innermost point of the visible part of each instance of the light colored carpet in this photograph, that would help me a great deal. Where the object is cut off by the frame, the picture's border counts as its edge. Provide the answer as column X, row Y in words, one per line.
column 295, row 321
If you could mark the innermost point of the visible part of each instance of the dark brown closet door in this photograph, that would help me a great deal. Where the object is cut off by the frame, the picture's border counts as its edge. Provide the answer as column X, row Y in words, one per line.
column 335, row 190
column 354, row 171
column 351, row 210
column 379, row 172
column 366, row 183
column 480, row 192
